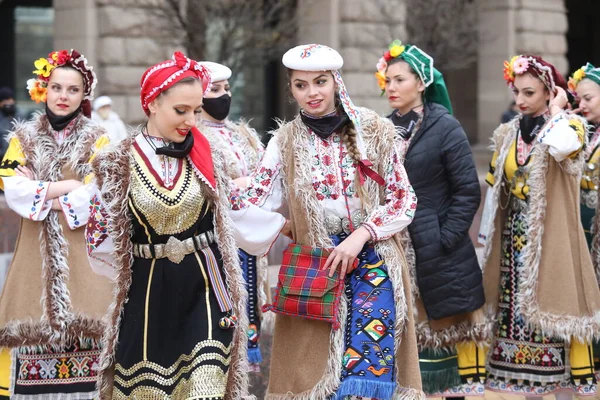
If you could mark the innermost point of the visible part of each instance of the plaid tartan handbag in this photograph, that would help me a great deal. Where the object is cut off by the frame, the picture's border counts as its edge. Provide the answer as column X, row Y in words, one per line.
column 304, row 289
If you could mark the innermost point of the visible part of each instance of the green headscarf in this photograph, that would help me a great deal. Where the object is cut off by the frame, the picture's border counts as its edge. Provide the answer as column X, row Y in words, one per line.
column 586, row 72
column 422, row 64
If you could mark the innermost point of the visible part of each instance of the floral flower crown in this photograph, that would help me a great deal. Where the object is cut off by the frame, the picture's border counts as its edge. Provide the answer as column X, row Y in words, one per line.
column 38, row 87
column 395, row 49
column 576, row 78
column 520, row 64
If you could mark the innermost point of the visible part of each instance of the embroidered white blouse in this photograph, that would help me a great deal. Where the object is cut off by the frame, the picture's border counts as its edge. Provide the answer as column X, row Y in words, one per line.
column 333, row 174
column 28, row 198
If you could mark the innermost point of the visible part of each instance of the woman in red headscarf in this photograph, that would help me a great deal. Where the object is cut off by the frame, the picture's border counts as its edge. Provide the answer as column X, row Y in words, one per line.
column 164, row 224
column 539, row 280
column 52, row 303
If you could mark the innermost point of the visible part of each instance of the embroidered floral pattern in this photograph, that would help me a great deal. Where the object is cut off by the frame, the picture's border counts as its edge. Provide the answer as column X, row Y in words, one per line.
column 72, row 367
column 262, row 184
column 333, row 176
column 97, row 230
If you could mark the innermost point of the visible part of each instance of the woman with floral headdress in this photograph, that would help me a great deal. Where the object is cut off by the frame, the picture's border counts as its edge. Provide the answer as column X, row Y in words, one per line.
column 538, row 275
column 336, row 167
column 242, row 150
column 585, row 86
column 52, row 303
column 162, row 223
column 448, row 292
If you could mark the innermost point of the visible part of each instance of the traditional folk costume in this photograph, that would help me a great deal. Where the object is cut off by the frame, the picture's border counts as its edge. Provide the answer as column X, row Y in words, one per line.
column 308, row 165
column 163, row 224
column 242, row 150
column 539, row 279
column 589, row 185
column 52, row 303
column 447, row 287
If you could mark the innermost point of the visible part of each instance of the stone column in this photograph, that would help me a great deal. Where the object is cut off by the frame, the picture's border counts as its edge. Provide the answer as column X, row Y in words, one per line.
column 366, row 29
column 75, row 27
column 128, row 43
column 319, row 22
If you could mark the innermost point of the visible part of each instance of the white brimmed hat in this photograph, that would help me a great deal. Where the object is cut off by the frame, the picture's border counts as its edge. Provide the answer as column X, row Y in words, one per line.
column 218, row 72
column 312, row 57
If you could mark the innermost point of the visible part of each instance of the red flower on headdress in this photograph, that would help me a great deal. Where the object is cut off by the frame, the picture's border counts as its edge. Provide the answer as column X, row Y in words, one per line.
column 63, row 57
column 387, row 56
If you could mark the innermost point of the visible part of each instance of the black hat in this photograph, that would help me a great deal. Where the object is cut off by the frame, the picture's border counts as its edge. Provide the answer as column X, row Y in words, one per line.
column 6, row 93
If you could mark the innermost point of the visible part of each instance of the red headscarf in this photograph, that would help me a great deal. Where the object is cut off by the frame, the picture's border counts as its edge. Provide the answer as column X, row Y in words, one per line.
column 549, row 75
column 161, row 77
column 537, row 67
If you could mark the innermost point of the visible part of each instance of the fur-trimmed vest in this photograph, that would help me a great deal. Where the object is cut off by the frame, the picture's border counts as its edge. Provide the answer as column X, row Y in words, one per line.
column 306, row 360
column 251, row 146
column 51, row 294
column 558, row 292
column 112, row 169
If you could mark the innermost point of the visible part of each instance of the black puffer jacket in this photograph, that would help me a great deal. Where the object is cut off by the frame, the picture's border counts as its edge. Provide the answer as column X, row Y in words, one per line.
column 441, row 169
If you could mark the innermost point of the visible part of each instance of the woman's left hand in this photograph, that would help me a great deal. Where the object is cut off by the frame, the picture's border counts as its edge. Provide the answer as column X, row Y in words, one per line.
column 242, row 182
column 558, row 101
column 345, row 253
column 25, row 172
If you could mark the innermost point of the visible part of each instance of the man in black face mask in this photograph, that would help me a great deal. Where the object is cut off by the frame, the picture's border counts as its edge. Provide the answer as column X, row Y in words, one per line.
column 8, row 114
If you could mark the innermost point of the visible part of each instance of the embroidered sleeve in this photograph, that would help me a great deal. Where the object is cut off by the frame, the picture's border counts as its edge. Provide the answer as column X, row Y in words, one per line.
column 255, row 229
column 564, row 136
column 99, row 244
column 26, row 197
column 486, row 217
column 400, row 203
column 76, row 205
column 13, row 157
column 266, row 183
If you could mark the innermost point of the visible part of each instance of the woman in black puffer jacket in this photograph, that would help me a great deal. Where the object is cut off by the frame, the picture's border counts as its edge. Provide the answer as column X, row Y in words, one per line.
column 448, row 292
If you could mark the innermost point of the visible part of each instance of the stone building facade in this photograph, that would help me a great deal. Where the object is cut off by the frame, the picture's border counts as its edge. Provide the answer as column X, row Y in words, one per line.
column 120, row 42
column 113, row 34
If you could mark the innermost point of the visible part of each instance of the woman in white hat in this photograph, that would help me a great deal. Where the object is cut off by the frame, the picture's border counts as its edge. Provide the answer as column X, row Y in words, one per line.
column 242, row 150
column 104, row 115
column 336, row 167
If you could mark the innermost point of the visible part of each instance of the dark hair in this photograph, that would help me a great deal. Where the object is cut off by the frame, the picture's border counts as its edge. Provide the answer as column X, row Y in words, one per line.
column 397, row 60
column 6, row 93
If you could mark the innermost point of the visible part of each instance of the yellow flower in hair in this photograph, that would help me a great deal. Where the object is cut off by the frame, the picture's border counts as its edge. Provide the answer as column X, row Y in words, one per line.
column 38, row 92
column 579, row 74
column 396, row 50
column 380, row 75
column 43, row 67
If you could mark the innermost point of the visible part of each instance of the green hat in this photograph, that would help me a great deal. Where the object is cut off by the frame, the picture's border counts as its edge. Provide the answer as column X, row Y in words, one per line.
column 586, row 72
column 422, row 64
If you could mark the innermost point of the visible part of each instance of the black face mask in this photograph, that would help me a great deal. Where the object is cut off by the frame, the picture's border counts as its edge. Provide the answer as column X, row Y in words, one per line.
column 530, row 126
column 218, row 108
column 179, row 150
column 9, row 109
column 406, row 123
column 59, row 123
column 325, row 126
